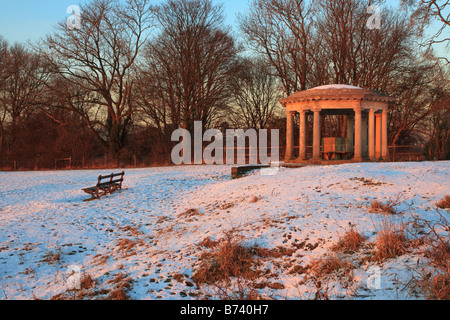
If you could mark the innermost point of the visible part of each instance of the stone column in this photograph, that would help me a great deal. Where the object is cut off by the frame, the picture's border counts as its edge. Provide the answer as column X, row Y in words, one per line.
column 377, row 136
column 302, row 135
column 289, row 135
column 372, row 135
column 384, row 136
column 316, row 136
column 358, row 149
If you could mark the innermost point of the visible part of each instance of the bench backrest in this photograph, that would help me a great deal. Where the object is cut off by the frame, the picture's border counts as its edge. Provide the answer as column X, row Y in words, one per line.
column 111, row 179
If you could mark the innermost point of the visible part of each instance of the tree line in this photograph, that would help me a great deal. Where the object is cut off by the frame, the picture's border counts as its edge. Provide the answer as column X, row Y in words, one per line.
column 130, row 73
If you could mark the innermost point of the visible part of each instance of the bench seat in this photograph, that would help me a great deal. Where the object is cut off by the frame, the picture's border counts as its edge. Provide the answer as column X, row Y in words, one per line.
column 107, row 187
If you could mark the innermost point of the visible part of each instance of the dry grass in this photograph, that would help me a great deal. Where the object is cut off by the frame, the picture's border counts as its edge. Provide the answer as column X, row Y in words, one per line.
column 229, row 268
column 391, row 241
column 379, row 207
column 277, row 252
column 323, row 271
column 208, row 243
column 389, row 207
column 350, row 242
column 179, row 277
column 52, row 257
column 228, row 259
column 439, row 282
column 368, row 182
column 118, row 294
column 191, row 213
column 122, row 284
column 125, row 244
column 131, row 230
column 444, row 203
column 328, row 265
column 433, row 279
column 87, row 282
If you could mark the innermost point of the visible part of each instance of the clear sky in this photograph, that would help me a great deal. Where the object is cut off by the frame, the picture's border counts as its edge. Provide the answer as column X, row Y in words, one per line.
column 22, row 20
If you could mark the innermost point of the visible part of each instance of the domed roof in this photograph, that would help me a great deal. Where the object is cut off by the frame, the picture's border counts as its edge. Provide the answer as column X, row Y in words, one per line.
column 336, row 86
column 336, row 92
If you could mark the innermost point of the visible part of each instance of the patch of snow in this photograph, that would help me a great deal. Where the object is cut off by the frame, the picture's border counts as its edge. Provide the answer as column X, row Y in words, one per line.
column 166, row 212
column 335, row 86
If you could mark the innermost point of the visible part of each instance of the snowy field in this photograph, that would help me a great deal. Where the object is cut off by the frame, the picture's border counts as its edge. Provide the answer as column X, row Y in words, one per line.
column 150, row 232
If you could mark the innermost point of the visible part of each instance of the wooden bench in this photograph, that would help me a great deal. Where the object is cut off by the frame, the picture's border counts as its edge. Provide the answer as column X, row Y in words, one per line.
column 109, row 186
column 335, row 148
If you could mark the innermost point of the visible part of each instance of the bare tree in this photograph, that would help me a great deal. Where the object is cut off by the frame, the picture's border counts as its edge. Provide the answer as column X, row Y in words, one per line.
column 99, row 58
column 282, row 31
column 326, row 41
column 190, row 65
column 438, row 128
column 426, row 12
column 415, row 95
column 349, row 52
column 258, row 95
column 22, row 89
column 4, row 74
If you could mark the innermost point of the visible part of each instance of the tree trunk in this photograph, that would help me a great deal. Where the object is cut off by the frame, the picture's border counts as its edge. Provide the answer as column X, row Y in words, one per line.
column 114, row 142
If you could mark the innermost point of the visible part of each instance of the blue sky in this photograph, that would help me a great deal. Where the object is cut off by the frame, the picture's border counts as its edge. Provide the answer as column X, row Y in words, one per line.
column 22, row 20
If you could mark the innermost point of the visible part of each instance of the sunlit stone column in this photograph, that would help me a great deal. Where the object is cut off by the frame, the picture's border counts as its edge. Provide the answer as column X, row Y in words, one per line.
column 358, row 153
column 302, row 135
column 372, row 135
column 289, row 135
column 377, row 136
column 316, row 135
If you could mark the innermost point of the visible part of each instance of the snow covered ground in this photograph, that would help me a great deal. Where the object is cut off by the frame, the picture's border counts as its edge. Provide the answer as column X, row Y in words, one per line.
column 48, row 235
